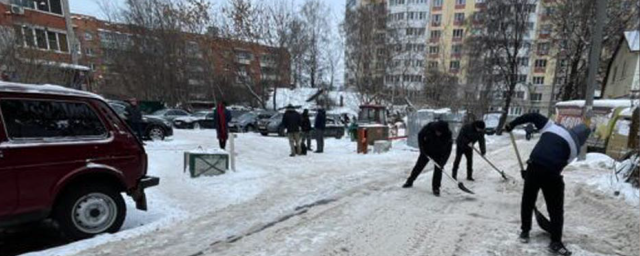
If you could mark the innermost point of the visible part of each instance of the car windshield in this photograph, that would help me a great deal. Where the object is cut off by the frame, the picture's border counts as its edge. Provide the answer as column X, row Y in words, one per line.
column 276, row 116
column 160, row 112
column 247, row 116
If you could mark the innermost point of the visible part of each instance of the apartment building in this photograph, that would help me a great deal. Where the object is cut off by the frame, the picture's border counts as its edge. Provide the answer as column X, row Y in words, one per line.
column 44, row 43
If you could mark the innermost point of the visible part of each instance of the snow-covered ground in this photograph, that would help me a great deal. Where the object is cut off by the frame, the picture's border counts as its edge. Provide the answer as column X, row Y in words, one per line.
column 342, row 203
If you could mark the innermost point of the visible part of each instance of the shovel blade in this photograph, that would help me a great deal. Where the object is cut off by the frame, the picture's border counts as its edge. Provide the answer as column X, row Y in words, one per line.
column 465, row 189
column 543, row 222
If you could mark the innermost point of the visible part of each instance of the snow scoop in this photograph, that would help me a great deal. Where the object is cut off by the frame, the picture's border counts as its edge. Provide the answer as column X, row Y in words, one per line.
column 543, row 222
column 460, row 184
column 490, row 163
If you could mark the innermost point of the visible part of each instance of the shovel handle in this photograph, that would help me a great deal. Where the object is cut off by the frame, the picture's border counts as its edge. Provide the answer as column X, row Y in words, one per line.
column 513, row 142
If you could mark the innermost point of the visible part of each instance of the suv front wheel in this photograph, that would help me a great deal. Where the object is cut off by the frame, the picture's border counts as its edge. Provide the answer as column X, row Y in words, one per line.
column 156, row 133
column 90, row 209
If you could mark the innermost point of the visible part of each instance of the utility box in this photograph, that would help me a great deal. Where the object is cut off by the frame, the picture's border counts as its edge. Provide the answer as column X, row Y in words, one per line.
column 207, row 163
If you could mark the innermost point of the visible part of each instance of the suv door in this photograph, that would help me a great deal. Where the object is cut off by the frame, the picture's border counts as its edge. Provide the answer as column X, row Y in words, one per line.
column 47, row 140
column 8, row 179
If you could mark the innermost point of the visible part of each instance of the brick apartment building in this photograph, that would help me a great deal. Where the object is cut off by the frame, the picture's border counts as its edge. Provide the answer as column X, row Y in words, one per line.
column 43, row 38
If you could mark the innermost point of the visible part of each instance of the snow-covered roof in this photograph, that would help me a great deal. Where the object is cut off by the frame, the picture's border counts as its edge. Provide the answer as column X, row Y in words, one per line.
column 45, row 89
column 633, row 40
column 597, row 103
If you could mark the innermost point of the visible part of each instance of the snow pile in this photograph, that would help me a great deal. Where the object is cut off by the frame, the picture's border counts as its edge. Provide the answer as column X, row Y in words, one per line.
column 611, row 176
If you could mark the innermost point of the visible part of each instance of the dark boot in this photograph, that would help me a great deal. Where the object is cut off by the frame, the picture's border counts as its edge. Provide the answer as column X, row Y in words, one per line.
column 470, row 179
column 524, row 237
column 407, row 184
column 436, row 192
column 559, row 249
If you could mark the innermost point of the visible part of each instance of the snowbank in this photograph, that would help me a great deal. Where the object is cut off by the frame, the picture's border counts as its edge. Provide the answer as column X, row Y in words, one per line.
column 598, row 103
column 606, row 181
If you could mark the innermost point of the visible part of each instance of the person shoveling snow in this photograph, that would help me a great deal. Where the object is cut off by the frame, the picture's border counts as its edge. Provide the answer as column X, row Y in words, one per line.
column 557, row 147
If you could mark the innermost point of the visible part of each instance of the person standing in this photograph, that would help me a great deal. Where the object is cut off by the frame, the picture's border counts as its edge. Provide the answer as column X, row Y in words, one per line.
column 306, row 129
column 135, row 118
column 221, row 118
column 469, row 134
column 435, row 142
column 319, row 126
column 557, row 147
column 291, row 120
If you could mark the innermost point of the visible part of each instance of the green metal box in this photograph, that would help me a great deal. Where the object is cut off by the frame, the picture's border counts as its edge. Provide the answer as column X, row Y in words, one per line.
column 206, row 163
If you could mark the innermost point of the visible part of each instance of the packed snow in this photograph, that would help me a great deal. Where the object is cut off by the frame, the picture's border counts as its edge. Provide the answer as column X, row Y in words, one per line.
column 343, row 203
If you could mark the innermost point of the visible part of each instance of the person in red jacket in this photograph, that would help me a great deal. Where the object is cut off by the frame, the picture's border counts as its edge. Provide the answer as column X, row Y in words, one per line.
column 221, row 119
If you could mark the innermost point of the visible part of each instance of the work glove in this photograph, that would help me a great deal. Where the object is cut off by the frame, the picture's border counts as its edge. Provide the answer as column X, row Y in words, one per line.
column 523, row 174
column 483, row 153
column 508, row 128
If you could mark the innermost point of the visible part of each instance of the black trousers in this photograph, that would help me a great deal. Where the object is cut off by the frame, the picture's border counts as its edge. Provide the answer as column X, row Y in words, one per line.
column 552, row 186
column 319, row 140
column 417, row 169
column 468, row 154
column 223, row 143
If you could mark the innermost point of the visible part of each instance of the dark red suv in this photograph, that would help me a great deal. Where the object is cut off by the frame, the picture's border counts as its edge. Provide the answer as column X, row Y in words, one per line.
column 66, row 155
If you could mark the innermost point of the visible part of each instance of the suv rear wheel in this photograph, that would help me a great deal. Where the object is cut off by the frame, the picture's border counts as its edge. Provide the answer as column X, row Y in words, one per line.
column 156, row 133
column 90, row 209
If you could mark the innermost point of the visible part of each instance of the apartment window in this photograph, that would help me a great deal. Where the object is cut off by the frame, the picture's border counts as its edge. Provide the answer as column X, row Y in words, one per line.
column 62, row 40
column 88, row 36
column 461, row 2
column 53, row 41
column 458, row 33
column 543, row 48
column 520, row 94
column 41, row 39
column 434, row 49
column 523, row 61
column 436, row 19
column 456, row 49
column 541, row 63
column 422, row 15
column 538, row 80
column 52, row 6
column 435, row 34
column 531, row 8
column 536, row 96
column 437, row 3
column 88, row 51
column 411, row 15
column 545, row 29
column 419, row 63
column 480, row 1
column 454, row 65
column 420, row 47
column 522, row 79
column 515, row 111
column 534, row 110
column 458, row 17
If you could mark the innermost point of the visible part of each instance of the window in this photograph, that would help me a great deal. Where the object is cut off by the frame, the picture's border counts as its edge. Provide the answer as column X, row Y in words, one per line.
column 436, row 19
column 29, row 38
column 88, row 51
column 541, row 63
column 437, row 3
column 88, row 36
column 62, row 39
column 545, row 29
column 433, row 64
column 434, row 49
column 536, row 96
column 458, row 33
column 461, row 2
column 53, row 41
column 455, row 65
column 480, row 1
column 520, row 94
column 458, row 17
column 538, row 80
column 435, row 34
column 39, row 119
column 543, row 48
column 523, row 61
column 56, row 6
column 515, row 111
column 41, row 39
column 456, row 49
column 522, row 78
column 411, row 15
column 422, row 15
column 534, row 110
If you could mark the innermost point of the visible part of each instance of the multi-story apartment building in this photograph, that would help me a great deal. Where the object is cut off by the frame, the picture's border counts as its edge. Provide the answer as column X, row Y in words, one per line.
column 43, row 43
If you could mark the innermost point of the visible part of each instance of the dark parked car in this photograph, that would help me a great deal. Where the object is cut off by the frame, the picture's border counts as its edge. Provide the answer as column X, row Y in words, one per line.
column 197, row 120
column 169, row 114
column 154, row 128
column 335, row 128
column 66, row 155
column 248, row 122
column 271, row 125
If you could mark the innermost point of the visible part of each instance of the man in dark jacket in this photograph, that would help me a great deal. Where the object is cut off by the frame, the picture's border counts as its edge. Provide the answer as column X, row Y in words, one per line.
column 319, row 126
column 306, row 129
column 435, row 141
column 291, row 120
column 135, row 117
column 557, row 147
column 469, row 134
column 221, row 119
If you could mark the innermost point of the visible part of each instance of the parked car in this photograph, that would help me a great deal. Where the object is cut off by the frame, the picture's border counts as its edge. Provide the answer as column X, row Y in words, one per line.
column 154, row 128
column 334, row 128
column 272, row 125
column 248, row 122
column 169, row 114
column 197, row 120
column 66, row 155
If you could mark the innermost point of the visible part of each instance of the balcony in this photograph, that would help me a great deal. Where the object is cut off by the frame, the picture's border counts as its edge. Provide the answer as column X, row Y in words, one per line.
column 434, row 40
column 436, row 23
column 456, row 39
column 458, row 22
column 540, row 69
column 481, row 5
column 460, row 6
column 436, row 8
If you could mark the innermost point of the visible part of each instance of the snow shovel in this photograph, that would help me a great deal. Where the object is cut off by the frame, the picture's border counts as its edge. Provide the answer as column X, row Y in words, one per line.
column 490, row 163
column 460, row 184
column 543, row 222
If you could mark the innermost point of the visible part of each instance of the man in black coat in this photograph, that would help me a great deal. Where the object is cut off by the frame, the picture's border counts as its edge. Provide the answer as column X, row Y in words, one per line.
column 319, row 126
column 435, row 141
column 557, row 147
column 469, row 134
column 306, row 129
column 291, row 120
column 134, row 117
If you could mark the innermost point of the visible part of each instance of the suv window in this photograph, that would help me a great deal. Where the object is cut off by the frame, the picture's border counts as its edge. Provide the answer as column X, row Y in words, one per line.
column 38, row 119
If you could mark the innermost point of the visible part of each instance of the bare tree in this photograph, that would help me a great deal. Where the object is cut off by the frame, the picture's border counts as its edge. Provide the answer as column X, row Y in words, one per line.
column 572, row 22
column 313, row 15
column 500, row 45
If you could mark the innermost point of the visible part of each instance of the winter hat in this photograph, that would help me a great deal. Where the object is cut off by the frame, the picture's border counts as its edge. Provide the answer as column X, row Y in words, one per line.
column 479, row 125
column 441, row 126
column 290, row 106
column 580, row 133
